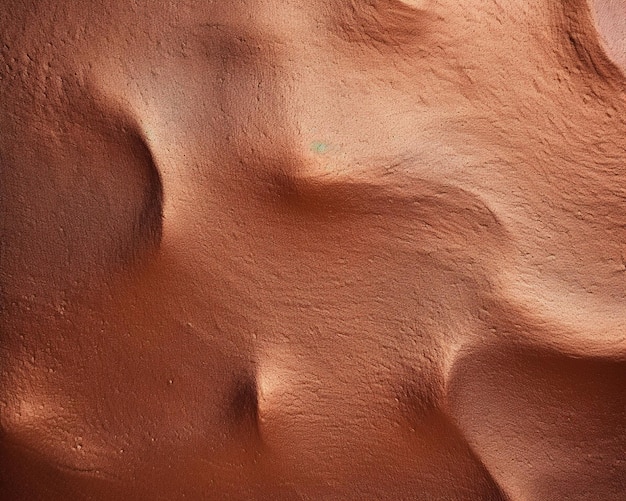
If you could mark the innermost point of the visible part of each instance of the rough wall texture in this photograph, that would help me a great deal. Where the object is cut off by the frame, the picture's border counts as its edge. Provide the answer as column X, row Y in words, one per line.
column 321, row 249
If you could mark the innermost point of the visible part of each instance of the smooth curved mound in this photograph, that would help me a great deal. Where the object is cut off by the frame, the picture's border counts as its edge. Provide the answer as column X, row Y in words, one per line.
column 323, row 249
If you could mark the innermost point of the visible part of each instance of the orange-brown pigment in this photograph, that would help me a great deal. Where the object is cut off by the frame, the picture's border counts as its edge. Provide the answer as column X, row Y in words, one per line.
column 312, row 250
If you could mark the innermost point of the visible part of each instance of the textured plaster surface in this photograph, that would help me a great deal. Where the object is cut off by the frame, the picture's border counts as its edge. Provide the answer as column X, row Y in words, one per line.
column 306, row 250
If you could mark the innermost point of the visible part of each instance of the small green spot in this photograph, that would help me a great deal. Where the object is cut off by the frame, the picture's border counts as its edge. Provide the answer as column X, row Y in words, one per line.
column 319, row 147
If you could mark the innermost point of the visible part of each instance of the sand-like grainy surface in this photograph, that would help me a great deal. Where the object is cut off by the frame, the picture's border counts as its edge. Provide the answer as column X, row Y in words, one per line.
column 312, row 250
